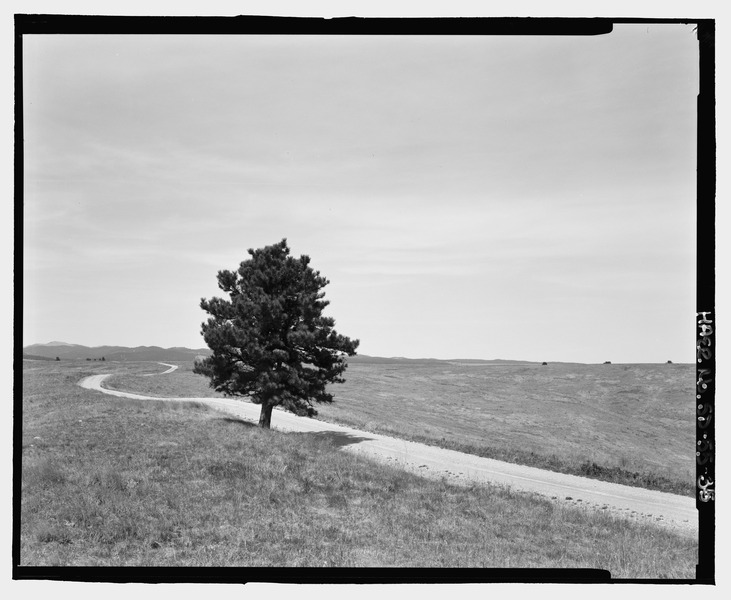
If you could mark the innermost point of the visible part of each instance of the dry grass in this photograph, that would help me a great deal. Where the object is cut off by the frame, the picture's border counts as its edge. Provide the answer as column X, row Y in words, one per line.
column 108, row 481
column 630, row 424
column 181, row 383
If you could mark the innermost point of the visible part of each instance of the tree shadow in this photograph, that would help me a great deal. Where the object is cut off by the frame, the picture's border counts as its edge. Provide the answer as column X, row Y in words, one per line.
column 236, row 421
column 338, row 438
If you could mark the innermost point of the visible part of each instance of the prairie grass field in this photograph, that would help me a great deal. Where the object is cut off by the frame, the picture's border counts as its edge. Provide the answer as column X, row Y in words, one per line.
column 142, row 379
column 117, row 482
column 631, row 424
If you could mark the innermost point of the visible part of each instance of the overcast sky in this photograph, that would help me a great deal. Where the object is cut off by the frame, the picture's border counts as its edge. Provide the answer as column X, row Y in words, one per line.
column 476, row 197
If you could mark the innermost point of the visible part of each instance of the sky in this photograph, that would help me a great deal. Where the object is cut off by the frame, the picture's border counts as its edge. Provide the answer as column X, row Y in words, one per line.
column 504, row 197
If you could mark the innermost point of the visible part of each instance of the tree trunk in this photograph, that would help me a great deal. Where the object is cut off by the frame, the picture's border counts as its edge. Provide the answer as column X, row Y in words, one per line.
column 265, row 418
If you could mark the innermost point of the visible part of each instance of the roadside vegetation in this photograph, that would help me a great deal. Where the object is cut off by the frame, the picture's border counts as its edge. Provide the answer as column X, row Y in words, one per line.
column 110, row 481
column 628, row 424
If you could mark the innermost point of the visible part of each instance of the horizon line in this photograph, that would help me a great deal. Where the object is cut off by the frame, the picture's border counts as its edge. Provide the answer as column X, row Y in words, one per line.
column 392, row 357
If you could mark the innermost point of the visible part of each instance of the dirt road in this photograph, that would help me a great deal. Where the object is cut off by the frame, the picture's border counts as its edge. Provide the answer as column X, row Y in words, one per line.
column 170, row 370
column 669, row 510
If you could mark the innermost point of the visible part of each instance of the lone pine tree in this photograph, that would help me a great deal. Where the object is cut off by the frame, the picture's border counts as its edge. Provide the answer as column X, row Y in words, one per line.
column 269, row 340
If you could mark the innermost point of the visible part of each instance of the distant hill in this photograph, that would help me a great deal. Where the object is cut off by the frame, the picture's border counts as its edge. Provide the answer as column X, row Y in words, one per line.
column 395, row 360
column 36, row 357
column 121, row 353
column 379, row 360
column 155, row 353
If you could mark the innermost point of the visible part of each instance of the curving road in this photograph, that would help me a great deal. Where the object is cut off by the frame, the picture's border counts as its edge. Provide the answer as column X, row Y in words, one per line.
column 669, row 510
column 170, row 370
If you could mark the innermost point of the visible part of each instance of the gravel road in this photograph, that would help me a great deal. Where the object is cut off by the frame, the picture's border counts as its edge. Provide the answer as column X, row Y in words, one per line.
column 170, row 370
column 666, row 510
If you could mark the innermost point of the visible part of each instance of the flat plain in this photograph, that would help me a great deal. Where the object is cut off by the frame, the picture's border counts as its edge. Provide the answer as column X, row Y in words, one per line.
column 110, row 481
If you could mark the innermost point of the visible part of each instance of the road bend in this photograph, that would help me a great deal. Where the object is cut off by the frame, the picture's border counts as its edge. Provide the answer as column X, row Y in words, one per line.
column 170, row 370
column 666, row 510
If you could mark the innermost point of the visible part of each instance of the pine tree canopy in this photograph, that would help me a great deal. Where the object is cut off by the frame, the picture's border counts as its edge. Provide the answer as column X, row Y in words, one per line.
column 269, row 339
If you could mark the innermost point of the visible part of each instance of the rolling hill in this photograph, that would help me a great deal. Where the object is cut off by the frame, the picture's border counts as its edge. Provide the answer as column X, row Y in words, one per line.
column 396, row 360
column 67, row 351
column 121, row 353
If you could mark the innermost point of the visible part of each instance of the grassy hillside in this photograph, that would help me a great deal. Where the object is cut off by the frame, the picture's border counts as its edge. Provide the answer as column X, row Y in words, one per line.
column 628, row 423
column 631, row 424
column 180, row 383
column 36, row 357
column 112, row 353
column 107, row 481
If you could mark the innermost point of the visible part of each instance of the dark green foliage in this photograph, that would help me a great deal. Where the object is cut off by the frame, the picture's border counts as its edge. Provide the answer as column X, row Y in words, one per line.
column 270, row 340
column 625, row 477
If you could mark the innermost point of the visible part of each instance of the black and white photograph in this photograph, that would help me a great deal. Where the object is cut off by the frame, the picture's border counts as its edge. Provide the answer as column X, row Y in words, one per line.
column 315, row 297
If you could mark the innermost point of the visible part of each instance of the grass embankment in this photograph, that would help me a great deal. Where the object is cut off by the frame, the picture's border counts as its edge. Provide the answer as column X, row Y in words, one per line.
column 628, row 424
column 108, row 481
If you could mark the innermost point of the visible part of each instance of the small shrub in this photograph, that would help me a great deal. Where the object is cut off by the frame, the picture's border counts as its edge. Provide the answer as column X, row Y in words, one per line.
column 47, row 534
column 231, row 470
column 107, row 479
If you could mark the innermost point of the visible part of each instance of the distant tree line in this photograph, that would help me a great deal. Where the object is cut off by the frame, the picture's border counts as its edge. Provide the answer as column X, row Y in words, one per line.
column 102, row 358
